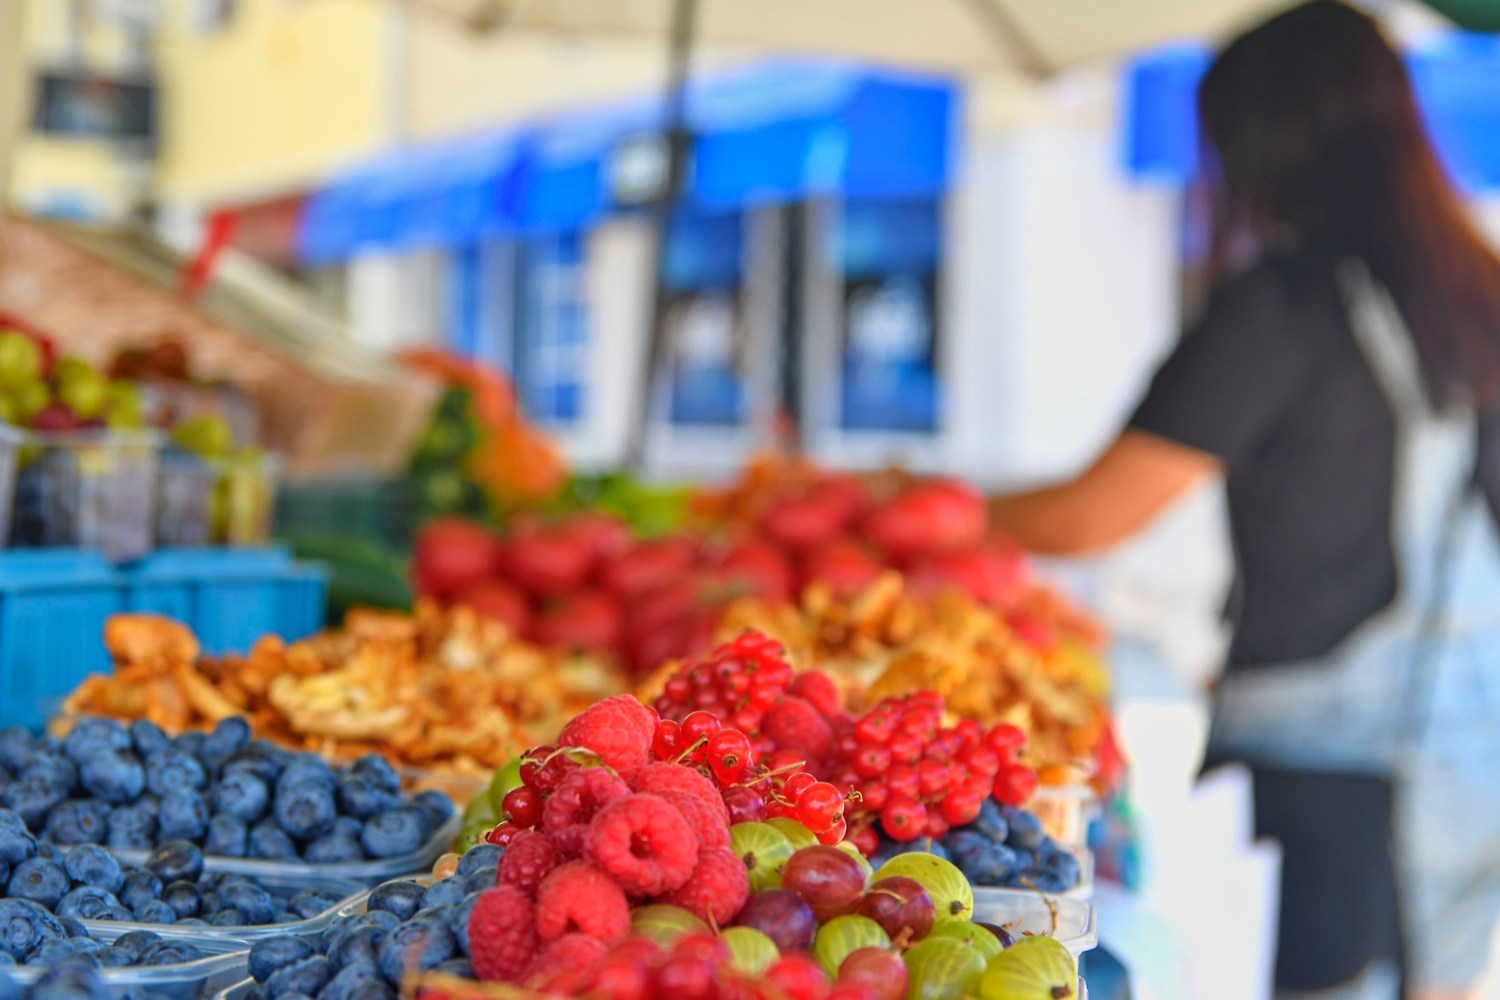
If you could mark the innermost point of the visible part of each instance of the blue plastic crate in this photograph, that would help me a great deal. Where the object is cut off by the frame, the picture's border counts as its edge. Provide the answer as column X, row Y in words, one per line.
column 53, row 606
column 231, row 597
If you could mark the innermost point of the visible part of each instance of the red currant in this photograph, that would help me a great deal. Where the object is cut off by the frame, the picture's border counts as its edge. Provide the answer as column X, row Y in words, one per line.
column 873, row 796
column 784, row 761
column 796, row 784
column 1015, row 785
column 932, row 779
column 872, row 760
column 818, row 805
column 867, row 839
column 875, row 728
column 503, row 834
column 523, row 806
column 970, row 732
column 960, row 808
column 1006, row 740
column 699, row 726
column 981, row 760
column 729, row 754
column 904, row 819
column 667, row 743
column 905, row 748
column 937, row 827
column 903, row 782
column 834, row 833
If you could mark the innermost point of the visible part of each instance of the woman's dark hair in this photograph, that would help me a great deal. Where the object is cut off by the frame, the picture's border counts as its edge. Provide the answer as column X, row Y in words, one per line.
column 1315, row 137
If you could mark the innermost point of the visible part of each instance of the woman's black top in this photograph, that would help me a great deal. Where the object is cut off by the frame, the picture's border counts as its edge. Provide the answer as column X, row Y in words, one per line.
column 1271, row 380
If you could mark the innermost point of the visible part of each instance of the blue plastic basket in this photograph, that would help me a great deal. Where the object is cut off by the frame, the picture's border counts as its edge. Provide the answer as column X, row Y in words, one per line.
column 54, row 603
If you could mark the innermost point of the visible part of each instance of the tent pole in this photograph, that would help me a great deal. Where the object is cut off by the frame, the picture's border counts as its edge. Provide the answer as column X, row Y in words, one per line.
column 677, row 139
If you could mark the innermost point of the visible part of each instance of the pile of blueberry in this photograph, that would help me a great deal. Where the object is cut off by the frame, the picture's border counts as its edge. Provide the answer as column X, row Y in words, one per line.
column 362, row 957
column 29, row 935
column 136, row 788
column 1004, row 847
column 88, row 883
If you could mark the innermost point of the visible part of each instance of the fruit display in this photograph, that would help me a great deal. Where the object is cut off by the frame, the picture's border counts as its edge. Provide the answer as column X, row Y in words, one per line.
column 50, row 394
column 450, row 692
column 638, row 858
column 881, row 641
column 136, row 789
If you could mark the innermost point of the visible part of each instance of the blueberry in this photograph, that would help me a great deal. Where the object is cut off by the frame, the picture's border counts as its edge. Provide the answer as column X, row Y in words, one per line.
column 115, row 912
column 458, row 920
column 400, row 831
column 1025, row 829
column 378, row 770
column 192, row 922
column 994, row 864
column 403, row 898
column 436, row 805
column 86, row 902
column 52, row 764
column 175, row 860
column 372, row 991
column 1025, row 860
column 42, row 882
column 382, row 918
column 10, row 821
column 229, row 917
column 72, row 980
column 358, row 945
column 254, row 762
column 444, row 892
column 349, row 977
column 131, row 828
column 348, row 826
column 333, row 848
column 4, row 873
column 967, row 840
column 78, row 821
column 184, row 816
column 6, row 962
column 149, row 803
column 33, row 797
column 362, row 798
column 73, row 928
column 189, row 743
column 241, row 795
column 270, row 843
column 226, row 836
column 92, row 865
column 1062, row 868
column 114, row 958
column 270, row 954
column 309, row 903
column 173, row 770
column 460, row 967
column 16, row 745
column 306, row 769
column 250, row 899
column 140, row 886
column 135, row 942
column 484, row 878
column 51, row 952
column 479, row 856
column 154, row 911
column 420, row 943
column 130, row 840
column 184, row 899
column 305, row 811
column 147, row 737
column 92, row 734
column 230, row 735
column 113, row 775
column 308, row 975
column 169, row 952
column 16, row 845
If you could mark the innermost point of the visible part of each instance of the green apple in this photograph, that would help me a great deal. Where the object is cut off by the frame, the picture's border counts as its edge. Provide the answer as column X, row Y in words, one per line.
column 71, row 367
column 207, row 436
column 20, row 359
column 85, row 393
column 30, row 399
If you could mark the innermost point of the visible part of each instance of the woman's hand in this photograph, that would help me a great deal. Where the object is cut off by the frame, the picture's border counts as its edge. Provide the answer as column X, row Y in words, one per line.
column 1136, row 478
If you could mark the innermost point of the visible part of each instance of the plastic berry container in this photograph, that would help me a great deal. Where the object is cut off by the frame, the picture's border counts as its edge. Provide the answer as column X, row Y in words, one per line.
column 185, row 493
column 1066, row 812
column 89, row 490
column 11, row 440
column 304, row 874
column 244, row 498
column 1073, row 922
column 344, row 892
column 225, row 963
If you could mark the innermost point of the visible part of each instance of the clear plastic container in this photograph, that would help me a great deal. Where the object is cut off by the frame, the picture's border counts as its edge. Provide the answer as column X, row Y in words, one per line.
column 244, row 498
column 11, row 440
column 345, row 892
column 1083, row 890
column 1066, row 812
column 225, row 964
column 185, row 495
column 367, row 873
column 89, row 490
column 1073, row 922
column 167, row 404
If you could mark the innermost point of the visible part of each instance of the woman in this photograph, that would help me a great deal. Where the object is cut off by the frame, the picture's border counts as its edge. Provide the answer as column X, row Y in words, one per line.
column 1333, row 379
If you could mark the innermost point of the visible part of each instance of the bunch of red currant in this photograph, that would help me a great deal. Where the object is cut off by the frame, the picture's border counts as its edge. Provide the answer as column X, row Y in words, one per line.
column 736, row 682
column 915, row 777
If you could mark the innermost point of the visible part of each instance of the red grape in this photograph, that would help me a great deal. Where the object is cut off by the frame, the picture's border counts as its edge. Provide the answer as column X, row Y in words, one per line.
column 830, row 880
column 902, row 907
column 783, row 916
column 880, row 969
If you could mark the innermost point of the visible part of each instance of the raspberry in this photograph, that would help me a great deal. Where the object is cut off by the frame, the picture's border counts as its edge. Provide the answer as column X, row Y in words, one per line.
column 795, row 725
column 718, row 888
column 570, row 809
column 502, row 934
column 579, row 897
column 818, row 689
column 565, row 966
column 529, row 859
column 644, row 843
column 711, row 825
column 657, row 779
column 619, row 729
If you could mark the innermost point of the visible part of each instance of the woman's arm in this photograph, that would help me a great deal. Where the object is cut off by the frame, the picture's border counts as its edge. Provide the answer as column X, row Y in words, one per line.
column 1138, row 477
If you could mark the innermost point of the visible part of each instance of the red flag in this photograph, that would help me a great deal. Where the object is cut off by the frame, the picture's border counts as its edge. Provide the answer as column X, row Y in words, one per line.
column 216, row 237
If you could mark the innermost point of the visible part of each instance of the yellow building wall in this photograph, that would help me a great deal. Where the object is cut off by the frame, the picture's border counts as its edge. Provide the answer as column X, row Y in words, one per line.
column 272, row 101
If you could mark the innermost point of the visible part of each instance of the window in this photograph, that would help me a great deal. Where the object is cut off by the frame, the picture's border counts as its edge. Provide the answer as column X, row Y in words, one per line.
column 552, row 346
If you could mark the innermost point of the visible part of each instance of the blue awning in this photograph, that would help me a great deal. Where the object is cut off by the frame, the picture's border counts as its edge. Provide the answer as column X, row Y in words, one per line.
column 443, row 194
column 779, row 130
column 1456, row 77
